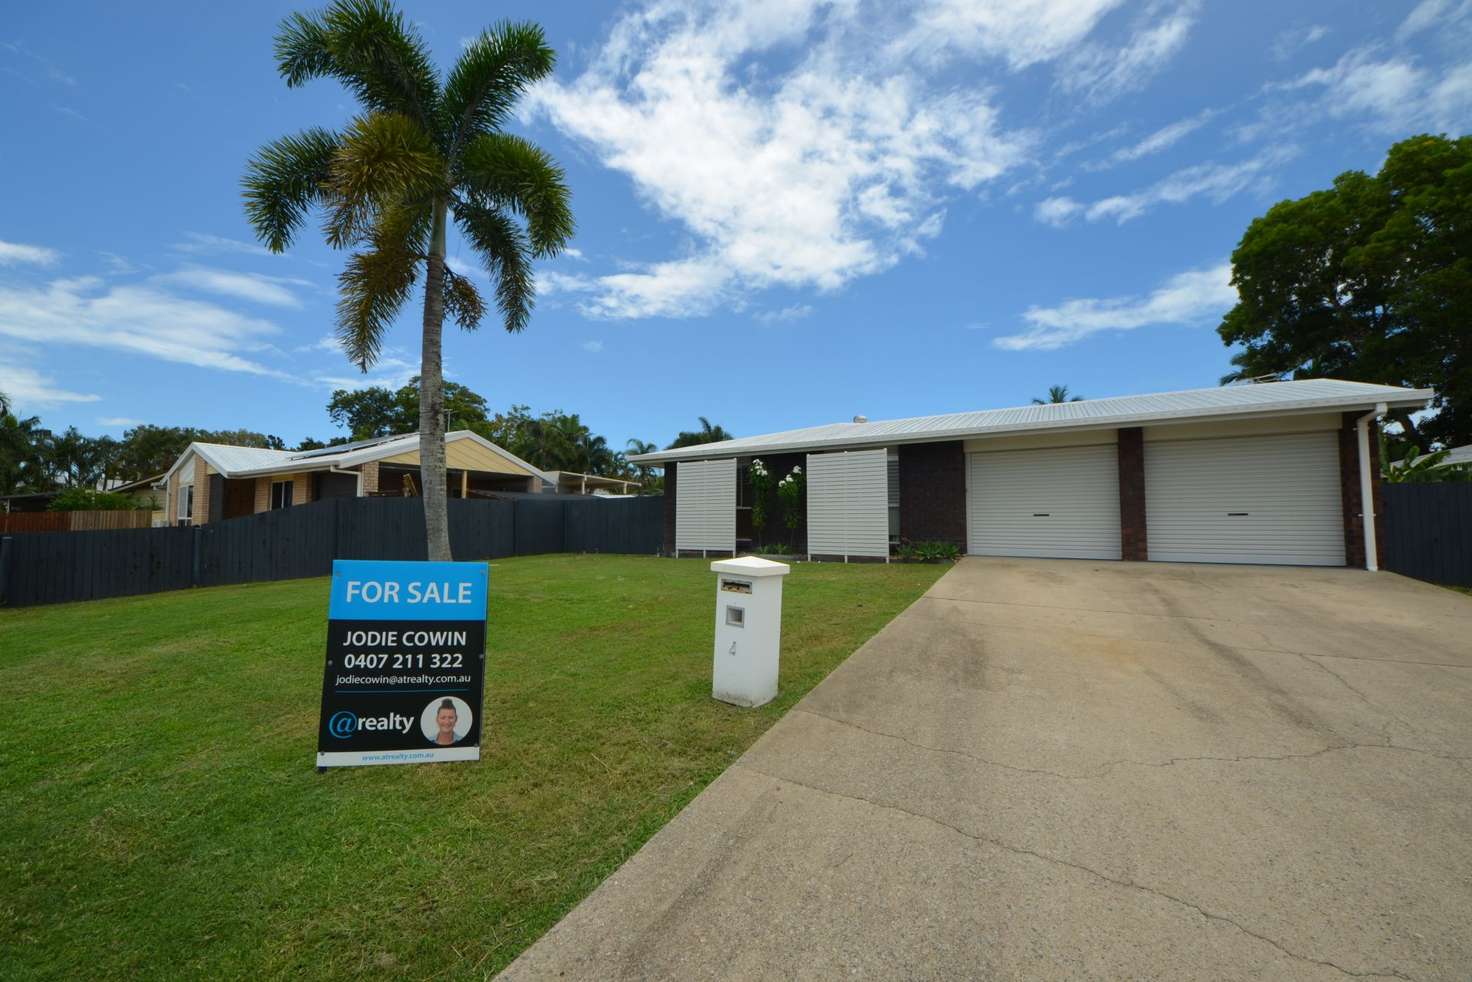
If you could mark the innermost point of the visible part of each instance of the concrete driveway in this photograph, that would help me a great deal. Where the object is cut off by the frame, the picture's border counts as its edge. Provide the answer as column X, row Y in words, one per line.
column 1068, row 770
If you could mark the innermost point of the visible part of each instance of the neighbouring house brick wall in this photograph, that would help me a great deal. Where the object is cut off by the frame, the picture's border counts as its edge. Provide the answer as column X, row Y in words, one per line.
column 201, row 492
column 301, row 490
column 263, row 495
column 1133, row 537
column 171, row 499
column 669, row 509
column 370, row 477
column 933, row 492
column 1349, row 490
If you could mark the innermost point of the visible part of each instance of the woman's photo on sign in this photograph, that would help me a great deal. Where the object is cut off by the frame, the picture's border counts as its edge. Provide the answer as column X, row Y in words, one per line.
column 445, row 721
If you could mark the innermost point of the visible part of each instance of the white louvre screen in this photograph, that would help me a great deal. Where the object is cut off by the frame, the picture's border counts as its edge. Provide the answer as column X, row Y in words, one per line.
column 705, row 505
column 848, row 504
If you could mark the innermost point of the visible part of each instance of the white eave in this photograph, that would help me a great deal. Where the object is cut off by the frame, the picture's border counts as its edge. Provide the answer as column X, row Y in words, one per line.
column 1224, row 402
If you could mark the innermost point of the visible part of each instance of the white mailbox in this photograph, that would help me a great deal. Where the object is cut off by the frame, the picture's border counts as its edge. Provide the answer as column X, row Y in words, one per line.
column 748, row 629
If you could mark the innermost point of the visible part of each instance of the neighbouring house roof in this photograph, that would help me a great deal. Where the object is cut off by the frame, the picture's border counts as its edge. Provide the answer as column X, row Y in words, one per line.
column 593, row 480
column 1458, row 455
column 1228, row 401
column 253, row 461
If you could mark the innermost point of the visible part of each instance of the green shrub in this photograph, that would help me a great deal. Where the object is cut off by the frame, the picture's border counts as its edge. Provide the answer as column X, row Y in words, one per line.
column 85, row 499
column 927, row 552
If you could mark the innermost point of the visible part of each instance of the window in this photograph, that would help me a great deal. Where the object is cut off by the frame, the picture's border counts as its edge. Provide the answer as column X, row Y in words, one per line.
column 280, row 494
column 186, row 504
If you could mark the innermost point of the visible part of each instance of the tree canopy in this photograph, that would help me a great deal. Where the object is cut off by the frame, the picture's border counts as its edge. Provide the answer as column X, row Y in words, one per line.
column 707, row 433
column 1369, row 280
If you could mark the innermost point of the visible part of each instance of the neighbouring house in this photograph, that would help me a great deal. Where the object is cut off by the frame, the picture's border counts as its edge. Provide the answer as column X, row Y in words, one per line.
column 571, row 482
column 1256, row 473
column 212, row 481
column 1456, row 456
column 148, row 492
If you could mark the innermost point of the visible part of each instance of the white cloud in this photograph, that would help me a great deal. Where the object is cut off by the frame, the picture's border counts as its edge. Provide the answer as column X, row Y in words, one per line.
column 549, row 281
column 1217, row 182
column 573, row 253
column 118, row 422
column 27, row 388
column 201, row 244
column 141, row 319
column 1391, row 93
column 1057, row 211
column 593, row 347
column 1290, row 41
column 1020, row 32
column 1186, row 298
column 795, row 312
column 1433, row 13
column 119, row 264
column 12, row 253
column 807, row 177
column 466, row 269
column 269, row 290
column 1102, row 72
column 1162, row 139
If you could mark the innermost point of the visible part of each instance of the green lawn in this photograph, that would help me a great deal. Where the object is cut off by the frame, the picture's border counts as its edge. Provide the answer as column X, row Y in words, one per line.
column 163, row 815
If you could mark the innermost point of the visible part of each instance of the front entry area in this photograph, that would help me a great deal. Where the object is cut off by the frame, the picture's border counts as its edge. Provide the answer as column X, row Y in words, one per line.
column 1060, row 502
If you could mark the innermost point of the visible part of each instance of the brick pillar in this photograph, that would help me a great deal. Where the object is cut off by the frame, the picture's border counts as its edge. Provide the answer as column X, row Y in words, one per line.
column 669, row 509
column 1349, row 491
column 933, row 492
column 301, row 489
column 1133, row 535
column 201, row 492
column 370, row 476
column 263, row 495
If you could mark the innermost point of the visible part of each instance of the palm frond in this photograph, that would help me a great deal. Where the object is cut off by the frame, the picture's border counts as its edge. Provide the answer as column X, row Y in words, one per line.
column 283, row 180
column 367, row 46
column 463, row 301
column 492, row 72
column 371, row 289
column 510, row 173
column 503, row 248
column 383, row 160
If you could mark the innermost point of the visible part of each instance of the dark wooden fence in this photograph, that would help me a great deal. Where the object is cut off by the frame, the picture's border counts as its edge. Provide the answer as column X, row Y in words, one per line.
column 40, row 568
column 1428, row 531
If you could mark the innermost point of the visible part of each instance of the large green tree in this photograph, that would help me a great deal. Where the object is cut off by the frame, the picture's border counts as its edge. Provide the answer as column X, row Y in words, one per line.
column 1370, row 280
column 421, row 153
column 379, row 411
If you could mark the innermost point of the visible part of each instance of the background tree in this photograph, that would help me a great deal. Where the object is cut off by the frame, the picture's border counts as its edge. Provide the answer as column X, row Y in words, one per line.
column 1056, row 394
column 22, row 459
column 1370, row 280
column 420, row 153
column 375, row 410
column 706, row 434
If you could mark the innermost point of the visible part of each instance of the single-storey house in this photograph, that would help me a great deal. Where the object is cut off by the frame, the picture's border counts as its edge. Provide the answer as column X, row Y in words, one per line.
column 212, row 481
column 1255, row 473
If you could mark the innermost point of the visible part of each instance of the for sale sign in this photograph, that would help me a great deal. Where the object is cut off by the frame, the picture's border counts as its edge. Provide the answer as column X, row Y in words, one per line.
column 406, row 646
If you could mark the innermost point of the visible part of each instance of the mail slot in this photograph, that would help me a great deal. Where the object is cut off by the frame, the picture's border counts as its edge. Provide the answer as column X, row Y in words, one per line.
column 748, row 630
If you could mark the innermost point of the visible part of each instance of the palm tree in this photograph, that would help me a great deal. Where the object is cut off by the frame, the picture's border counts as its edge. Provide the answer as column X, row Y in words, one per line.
column 636, row 447
column 706, row 434
column 1057, row 393
column 421, row 151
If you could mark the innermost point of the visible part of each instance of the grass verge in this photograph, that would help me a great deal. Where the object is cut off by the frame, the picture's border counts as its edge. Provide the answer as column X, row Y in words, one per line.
column 164, row 816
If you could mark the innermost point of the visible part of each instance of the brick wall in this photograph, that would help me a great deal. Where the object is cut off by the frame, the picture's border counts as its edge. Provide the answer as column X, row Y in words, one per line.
column 1133, row 539
column 201, row 491
column 669, row 509
column 263, row 495
column 301, row 490
column 933, row 492
column 370, row 477
column 1349, row 491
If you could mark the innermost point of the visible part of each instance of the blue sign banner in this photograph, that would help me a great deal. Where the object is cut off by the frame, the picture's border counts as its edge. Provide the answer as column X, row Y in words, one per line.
column 372, row 590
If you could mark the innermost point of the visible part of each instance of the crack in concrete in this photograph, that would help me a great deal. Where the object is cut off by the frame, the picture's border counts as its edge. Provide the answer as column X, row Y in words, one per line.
column 1089, row 870
column 1109, row 765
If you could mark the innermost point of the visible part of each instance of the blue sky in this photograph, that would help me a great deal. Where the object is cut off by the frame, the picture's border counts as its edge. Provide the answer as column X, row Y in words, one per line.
column 789, row 212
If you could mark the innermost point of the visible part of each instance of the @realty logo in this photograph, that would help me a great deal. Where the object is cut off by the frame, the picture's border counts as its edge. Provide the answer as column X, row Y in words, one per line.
column 343, row 724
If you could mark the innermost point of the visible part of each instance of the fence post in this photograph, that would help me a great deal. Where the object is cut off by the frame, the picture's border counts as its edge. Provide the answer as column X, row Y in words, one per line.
column 4, row 567
column 198, row 557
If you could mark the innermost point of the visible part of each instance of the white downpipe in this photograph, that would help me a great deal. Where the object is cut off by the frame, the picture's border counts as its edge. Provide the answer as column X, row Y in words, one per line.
column 1367, row 487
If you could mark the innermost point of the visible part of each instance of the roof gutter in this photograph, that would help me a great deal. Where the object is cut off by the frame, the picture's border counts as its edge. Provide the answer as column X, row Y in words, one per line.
column 1367, row 486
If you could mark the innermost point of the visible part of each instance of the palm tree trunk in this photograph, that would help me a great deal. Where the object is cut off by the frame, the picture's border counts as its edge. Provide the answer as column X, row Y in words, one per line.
column 432, row 398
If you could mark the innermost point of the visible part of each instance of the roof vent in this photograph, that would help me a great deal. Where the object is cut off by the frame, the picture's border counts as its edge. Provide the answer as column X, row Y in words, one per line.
column 861, row 419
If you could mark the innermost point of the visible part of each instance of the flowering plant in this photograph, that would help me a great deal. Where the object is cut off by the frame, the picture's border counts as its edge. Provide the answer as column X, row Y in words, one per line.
column 790, row 492
column 760, row 481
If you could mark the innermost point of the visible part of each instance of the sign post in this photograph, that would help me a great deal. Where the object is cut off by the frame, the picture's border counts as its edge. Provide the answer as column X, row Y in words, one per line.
column 405, row 668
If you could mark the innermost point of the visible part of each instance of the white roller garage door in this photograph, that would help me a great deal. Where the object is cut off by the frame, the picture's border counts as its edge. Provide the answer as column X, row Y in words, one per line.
column 1261, row 499
column 1061, row 503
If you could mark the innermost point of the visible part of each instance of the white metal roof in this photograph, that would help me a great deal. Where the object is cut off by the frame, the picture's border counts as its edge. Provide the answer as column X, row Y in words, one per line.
column 1261, row 399
column 234, row 461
